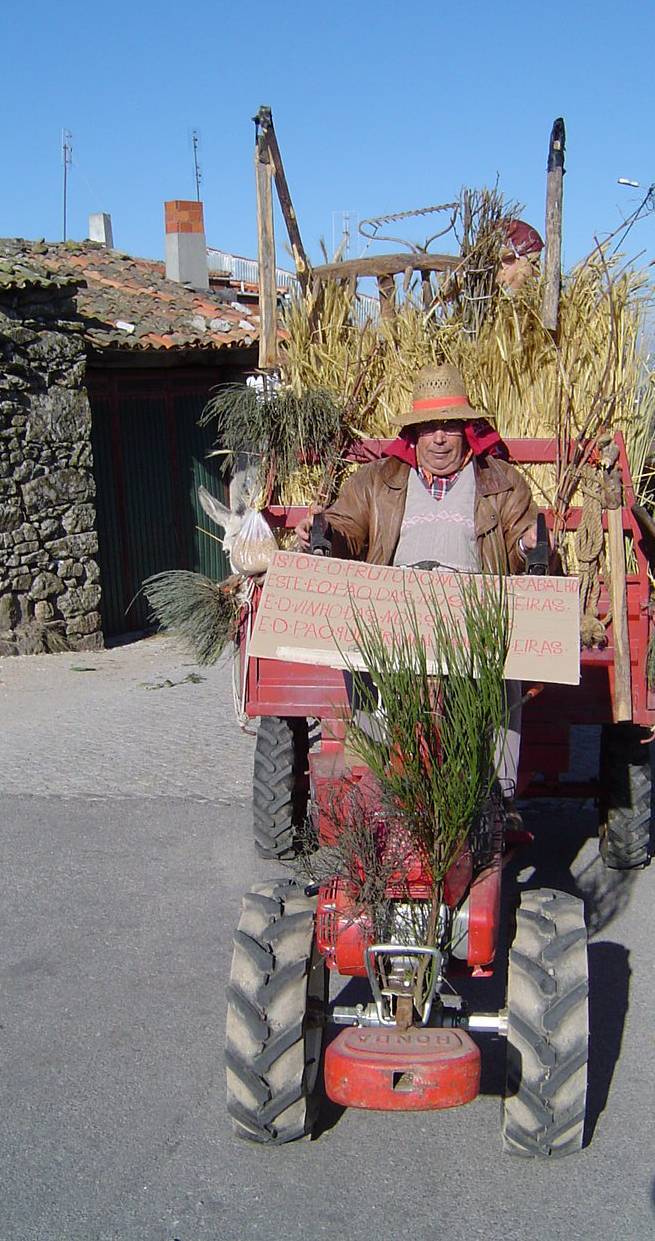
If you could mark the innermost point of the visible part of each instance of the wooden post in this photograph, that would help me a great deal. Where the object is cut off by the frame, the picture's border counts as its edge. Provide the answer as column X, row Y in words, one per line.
column 553, row 251
column 266, row 255
column 264, row 119
column 622, row 699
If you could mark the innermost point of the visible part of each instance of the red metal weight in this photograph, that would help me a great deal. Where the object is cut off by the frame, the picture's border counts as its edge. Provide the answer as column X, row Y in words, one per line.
column 391, row 1070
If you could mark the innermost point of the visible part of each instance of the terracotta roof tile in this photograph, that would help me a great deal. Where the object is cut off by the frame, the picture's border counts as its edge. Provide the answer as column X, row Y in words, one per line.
column 115, row 288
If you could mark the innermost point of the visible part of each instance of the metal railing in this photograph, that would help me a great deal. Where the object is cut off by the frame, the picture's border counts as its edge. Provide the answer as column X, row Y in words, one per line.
column 246, row 271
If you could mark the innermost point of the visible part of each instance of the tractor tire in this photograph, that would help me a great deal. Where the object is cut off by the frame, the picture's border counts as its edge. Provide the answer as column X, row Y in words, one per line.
column 625, row 797
column 547, row 1028
column 277, row 998
column 280, row 785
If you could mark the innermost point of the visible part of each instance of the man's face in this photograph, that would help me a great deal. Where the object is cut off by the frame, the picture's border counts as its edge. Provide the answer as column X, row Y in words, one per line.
column 441, row 447
column 516, row 269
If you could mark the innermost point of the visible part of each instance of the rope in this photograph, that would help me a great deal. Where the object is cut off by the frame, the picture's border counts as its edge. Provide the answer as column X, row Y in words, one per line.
column 590, row 553
column 239, row 684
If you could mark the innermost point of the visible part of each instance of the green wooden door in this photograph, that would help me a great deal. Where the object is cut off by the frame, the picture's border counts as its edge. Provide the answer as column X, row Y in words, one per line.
column 150, row 456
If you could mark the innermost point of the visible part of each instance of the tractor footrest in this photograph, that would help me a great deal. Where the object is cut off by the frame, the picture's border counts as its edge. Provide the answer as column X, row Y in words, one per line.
column 388, row 1069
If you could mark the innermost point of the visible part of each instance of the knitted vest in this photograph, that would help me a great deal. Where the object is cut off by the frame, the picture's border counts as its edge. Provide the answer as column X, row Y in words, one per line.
column 440, row 530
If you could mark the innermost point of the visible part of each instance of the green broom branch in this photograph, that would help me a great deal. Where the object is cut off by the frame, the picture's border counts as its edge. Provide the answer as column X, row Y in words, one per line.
column 434, row 753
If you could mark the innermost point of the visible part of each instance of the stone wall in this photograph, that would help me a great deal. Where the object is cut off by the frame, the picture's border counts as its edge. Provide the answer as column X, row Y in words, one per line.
column 49, row 576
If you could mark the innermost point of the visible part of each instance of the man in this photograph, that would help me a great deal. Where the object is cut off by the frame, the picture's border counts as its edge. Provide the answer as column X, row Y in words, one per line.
column 519, row 257
column 438, row 498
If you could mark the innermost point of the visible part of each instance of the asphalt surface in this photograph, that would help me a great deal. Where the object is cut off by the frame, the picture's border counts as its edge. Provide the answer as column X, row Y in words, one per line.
column 125, row 848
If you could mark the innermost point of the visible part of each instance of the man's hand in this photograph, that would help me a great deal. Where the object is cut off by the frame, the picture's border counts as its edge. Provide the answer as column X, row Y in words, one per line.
column 528, row 541
column 304, row 528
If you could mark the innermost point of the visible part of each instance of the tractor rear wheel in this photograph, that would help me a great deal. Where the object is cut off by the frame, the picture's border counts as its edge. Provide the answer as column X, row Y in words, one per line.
column 625, row 797
column 280, row 785
column 548, row 1027
column 277, row 999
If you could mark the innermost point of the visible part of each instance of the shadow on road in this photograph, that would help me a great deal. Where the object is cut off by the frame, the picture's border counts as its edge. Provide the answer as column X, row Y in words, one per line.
column 560, row 834
column 609, row 988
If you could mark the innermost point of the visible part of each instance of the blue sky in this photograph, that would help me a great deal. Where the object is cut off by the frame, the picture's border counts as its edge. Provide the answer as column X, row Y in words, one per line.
column 377, row 108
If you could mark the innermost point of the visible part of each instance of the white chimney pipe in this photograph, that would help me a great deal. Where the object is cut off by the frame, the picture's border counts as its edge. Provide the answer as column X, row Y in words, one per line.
column 100, row 229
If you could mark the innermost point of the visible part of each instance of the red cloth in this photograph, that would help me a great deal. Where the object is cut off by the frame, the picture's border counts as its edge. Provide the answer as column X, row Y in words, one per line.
column 481, row 438
column 523, row 238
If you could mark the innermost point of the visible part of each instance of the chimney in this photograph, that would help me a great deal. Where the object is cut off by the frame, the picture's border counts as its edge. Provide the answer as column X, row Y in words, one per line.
column 100, row 229
column 186, row 248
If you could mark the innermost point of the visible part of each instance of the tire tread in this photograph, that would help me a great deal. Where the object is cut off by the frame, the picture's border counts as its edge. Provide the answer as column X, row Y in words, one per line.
column 547, row 1037
column 625, row 802
column 271, row 1081
column 279, row 784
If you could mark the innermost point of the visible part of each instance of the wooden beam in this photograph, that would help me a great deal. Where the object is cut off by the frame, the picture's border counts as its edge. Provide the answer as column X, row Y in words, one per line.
column 553, row 250
column 266, row 256
column 387, row 265
column 264, row 120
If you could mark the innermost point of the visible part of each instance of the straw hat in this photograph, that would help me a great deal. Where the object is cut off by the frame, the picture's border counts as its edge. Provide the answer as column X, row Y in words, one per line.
column 439, row 395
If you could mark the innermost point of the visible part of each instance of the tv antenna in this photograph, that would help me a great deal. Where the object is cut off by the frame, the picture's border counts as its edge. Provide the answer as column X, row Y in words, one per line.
column 342, row 244
column 67, row 159
column 195, row 142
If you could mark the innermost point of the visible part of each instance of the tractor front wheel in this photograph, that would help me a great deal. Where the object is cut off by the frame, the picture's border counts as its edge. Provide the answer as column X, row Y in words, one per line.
column 280, row 785
column 547, row 1027
column 277, row 998
column 625, row 797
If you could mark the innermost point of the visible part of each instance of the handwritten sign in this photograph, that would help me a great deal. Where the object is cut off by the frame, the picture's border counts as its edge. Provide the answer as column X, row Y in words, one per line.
column 309, row 606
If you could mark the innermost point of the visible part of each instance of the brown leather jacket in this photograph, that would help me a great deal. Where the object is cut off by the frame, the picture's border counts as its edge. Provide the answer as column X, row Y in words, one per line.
column 367, row 516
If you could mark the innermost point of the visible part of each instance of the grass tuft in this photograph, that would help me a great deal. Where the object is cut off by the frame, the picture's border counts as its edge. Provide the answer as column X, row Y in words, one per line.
column 202, row 613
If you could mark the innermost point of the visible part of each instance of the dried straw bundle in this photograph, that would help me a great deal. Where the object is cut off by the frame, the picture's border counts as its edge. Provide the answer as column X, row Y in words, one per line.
column 468, row 297
column 324, row 337
column 372, row 366
column 34, row 637
column 594, row 378
column 204, row 614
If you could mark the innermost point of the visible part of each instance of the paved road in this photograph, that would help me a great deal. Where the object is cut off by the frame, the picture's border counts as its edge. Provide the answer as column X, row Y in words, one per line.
column 125, row 849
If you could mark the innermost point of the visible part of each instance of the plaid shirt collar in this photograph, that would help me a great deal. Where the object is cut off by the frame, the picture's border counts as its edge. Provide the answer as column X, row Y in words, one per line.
column 438, row 487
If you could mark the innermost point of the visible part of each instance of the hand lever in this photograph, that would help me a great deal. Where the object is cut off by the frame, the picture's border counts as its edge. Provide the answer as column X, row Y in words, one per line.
column 320, row 542
column 537, row 558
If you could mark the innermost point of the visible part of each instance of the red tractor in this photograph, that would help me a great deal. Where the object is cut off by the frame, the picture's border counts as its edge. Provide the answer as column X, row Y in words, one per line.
column 407, row 1045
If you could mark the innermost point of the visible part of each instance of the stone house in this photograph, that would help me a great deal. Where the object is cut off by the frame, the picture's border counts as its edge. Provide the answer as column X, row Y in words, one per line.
column 106, row 362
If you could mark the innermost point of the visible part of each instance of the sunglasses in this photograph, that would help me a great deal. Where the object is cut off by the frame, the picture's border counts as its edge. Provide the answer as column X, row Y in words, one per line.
column 449, row 426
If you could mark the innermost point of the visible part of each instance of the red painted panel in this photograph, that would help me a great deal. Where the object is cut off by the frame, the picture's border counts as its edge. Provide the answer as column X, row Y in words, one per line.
column 484, row 915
